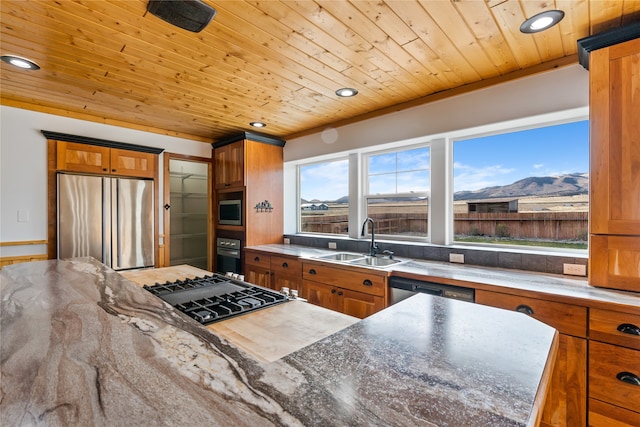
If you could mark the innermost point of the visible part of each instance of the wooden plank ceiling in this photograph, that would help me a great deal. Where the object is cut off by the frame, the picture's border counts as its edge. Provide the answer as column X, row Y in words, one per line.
column 279, row 62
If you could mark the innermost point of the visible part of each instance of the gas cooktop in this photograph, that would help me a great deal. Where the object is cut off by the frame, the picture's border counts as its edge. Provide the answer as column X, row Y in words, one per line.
column 215, row 297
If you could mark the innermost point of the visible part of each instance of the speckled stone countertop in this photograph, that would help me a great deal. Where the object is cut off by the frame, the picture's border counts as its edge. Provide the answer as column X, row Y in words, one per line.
column 82, row 345
column 563, row 288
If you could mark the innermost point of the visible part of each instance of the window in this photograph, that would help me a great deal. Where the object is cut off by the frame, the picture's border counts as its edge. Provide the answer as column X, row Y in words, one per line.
column 397, row 195
column 324, row 197
column 528, row 187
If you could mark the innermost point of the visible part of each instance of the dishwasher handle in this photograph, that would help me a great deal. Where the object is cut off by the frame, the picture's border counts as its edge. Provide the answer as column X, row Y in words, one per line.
column 428, row 290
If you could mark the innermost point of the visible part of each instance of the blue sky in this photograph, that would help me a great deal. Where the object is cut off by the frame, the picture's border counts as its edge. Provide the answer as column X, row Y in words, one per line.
column 507, row 158
column 478, row 163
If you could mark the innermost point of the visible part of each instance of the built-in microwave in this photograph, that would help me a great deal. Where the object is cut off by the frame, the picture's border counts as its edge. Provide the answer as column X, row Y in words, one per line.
column 230, row 212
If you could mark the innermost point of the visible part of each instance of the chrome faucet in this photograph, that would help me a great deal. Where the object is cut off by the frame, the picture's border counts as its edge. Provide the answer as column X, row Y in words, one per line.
column 373, row 249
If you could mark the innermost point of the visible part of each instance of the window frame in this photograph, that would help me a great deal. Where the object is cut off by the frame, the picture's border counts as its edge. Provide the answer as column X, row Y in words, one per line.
column 365, row 194
column 441, row 217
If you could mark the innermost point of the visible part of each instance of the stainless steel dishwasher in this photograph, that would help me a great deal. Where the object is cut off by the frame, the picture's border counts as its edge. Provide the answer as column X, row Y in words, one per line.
column 402, row 288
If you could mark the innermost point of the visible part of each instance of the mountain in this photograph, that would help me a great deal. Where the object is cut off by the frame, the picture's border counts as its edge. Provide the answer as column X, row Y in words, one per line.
column 544, row 186
column 563, row 185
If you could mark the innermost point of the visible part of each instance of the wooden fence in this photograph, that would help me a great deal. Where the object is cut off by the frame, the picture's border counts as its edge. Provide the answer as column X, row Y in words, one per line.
column 556, row 226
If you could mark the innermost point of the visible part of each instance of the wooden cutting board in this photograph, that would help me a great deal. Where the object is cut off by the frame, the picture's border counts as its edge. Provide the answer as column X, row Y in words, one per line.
column 268, row 334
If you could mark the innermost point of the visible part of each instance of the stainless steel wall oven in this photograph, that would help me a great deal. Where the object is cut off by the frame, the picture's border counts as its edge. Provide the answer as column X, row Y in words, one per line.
column 228, row 255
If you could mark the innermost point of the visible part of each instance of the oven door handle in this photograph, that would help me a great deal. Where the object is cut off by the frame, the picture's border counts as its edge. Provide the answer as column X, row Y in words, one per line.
column 229, row 252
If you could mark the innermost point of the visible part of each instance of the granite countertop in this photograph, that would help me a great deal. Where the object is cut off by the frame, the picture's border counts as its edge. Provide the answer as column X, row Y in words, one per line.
column 82, row 345
column 563, row 288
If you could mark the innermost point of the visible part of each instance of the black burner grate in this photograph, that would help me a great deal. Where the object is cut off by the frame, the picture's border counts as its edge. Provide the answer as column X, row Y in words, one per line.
column 213, row 298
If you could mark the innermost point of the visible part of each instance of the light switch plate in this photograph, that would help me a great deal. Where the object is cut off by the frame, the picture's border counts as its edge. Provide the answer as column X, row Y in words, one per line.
column 287, row 241
column 23, row 215
column 459, row 258
column 574, row 269
column 333, row 245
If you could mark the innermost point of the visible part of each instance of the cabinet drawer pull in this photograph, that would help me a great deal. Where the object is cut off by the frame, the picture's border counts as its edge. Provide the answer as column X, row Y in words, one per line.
column 367, row 282
column 629, row 378
column 312, row 271
column 285, row 265
column 257, row 258
column 522, row 308
column 628, row 328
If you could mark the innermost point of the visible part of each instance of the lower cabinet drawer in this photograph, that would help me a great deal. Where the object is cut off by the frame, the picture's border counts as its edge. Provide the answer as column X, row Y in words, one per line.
column 566, row 318
column 358, row 281
column 284, row 264
column 603, row 414
column 614, row 375
column 258, row 259
column 615, row 327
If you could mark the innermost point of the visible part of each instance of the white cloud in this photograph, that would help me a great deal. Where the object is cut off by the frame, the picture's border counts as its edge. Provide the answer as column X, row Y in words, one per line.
column 469, row 178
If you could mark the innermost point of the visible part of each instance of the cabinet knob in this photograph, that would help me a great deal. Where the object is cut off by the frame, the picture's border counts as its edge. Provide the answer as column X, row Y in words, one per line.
column 522, row 308
column 629, row 378
column 167, row 206
column 257, row 258
column 104, row 169
column 285, row 265
column 367, row 282
column 628, row 328
column 312, row 271
column 113, row 170
column 340, row 293
column 333, row 291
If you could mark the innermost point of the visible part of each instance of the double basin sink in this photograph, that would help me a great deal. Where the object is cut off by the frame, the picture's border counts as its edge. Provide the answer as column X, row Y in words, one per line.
column 359, row 259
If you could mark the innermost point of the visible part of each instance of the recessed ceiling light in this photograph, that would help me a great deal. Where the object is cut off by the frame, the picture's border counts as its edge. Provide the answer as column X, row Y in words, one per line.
column 23, row 63
column 541, row 21
column 346, row 92
column 258, row 124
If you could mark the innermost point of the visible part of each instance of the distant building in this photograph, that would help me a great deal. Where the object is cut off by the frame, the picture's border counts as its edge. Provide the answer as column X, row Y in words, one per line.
column 314, row 207
column 493, row 206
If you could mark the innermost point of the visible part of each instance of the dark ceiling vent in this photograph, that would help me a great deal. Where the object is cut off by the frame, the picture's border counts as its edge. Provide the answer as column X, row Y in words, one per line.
column 191, row 15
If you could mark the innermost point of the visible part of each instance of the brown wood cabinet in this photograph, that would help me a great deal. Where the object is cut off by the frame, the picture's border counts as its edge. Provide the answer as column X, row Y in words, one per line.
column 614, row 368
column 251, row 170
column 229, row 165
column 352, row 291
column 272, row 271
column 86, row 158
column 566, row 403
column 614, row 182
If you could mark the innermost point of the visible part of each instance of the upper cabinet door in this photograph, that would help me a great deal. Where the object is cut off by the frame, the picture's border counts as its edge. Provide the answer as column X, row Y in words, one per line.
column 82, row 158
column 133, row 163
column 229, row 165
column 615, row 139
column 614, row 208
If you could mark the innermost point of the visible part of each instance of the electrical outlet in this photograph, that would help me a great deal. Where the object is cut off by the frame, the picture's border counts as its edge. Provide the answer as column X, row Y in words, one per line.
column 287, row 241
column 459, row 258
column 574, row 269
column 333, row 245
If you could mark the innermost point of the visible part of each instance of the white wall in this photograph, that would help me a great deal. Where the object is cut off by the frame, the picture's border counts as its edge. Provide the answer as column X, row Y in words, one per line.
column 557, row 90
column 23, row 168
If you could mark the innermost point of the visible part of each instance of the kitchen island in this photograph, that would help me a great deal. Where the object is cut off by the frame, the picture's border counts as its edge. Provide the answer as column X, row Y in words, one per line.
column 82, row 345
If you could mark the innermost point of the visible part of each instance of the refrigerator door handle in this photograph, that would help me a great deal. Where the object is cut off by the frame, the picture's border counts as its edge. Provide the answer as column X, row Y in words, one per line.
column 106, row 222
column 115, row 223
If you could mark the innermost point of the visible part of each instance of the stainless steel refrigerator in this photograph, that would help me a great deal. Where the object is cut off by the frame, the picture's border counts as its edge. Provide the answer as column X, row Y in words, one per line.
column 110, row 219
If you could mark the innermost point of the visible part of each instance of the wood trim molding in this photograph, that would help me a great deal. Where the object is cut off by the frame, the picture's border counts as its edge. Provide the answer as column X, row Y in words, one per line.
column 100, row 142
column 25, row 242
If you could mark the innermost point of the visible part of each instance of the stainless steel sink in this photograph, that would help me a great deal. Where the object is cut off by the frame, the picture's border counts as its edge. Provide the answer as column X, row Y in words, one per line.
column 374, row 261
column 358, row 259
column 341, row 256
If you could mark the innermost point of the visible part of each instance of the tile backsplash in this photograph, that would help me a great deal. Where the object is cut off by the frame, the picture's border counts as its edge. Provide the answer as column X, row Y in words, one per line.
column 504, row 258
